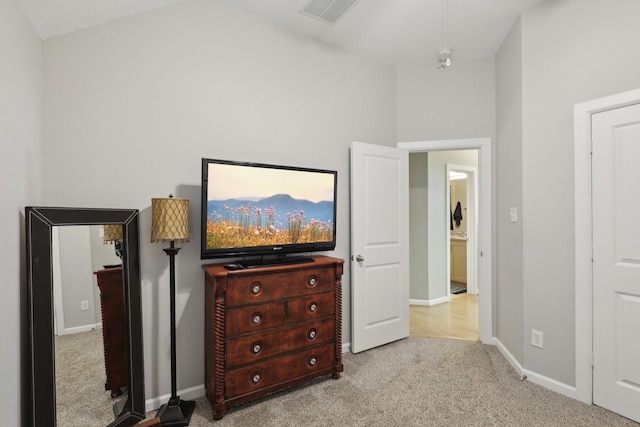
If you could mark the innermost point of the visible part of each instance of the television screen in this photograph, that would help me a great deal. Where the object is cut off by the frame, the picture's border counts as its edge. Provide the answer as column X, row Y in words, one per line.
column 259, row 209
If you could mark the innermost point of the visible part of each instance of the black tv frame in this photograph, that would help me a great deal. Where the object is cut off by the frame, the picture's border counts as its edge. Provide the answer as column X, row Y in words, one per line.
column 254, row 256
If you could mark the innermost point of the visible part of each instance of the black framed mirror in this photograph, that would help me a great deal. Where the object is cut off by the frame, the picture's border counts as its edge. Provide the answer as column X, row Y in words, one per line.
column 40, row 223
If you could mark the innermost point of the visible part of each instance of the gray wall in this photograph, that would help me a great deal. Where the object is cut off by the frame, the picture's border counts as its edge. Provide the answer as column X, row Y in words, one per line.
column 571, row 51
column 20, row 181
column 418, row 226
column 437, row 104
column 81, row 252
column 508, row 174
column 142, row 99
column 584, row 38
column 77, row 277
column 131, row 106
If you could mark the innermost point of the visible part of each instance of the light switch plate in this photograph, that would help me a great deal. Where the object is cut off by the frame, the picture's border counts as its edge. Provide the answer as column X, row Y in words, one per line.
column 513, row 214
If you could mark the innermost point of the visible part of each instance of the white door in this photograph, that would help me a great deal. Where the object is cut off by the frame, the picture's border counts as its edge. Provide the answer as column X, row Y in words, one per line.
column 616, row 260
column 379, row 245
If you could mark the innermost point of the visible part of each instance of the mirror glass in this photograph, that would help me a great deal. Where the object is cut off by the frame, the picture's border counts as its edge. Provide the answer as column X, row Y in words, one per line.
column 84, row 308
column 89, row 323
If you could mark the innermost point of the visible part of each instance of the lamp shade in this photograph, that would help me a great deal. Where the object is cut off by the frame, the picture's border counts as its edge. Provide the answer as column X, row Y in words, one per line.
column 169, row 219
column 112, row 233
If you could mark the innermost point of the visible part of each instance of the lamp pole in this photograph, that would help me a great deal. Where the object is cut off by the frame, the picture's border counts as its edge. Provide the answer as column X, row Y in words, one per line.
column 176, row 412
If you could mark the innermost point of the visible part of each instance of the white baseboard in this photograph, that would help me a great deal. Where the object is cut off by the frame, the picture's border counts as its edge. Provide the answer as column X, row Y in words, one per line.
column 534, row 377
column 429, row 302
column 191, row 393
column 551, row 384
column 78, row 329
column 507, row 355
column 346, row 347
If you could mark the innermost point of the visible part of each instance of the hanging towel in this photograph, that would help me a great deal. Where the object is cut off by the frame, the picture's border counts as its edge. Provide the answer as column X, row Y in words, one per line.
column 457, row 214
column 450, row 218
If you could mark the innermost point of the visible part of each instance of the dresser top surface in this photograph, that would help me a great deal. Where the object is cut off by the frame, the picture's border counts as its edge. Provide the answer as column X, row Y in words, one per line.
column 219, row 269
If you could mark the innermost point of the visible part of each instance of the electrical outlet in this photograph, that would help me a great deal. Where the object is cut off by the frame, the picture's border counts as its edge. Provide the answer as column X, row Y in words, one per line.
column 537, row 339
column 84, row 305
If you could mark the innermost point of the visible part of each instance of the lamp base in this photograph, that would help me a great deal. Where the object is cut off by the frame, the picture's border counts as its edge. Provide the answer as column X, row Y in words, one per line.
column 176, row 412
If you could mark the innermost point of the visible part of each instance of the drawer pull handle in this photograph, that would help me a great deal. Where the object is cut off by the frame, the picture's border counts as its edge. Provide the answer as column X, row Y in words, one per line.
column 256, row 319
column 312, row 334
column 256, row 378
column 255, row 289
column 313, row 360
column 312, row 281
column 313, row 307
column 256, row 348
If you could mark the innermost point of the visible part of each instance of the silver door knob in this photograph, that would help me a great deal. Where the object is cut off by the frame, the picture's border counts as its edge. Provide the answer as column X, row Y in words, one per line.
column 359, row 258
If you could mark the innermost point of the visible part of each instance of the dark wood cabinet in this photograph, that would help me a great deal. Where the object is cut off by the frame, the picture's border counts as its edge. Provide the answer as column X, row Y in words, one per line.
column 113, row 328
column 270, row 328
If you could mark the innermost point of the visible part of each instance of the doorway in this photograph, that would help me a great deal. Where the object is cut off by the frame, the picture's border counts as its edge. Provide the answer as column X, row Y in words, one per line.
column 461, row 190
column 450, row 309
column 483, row 267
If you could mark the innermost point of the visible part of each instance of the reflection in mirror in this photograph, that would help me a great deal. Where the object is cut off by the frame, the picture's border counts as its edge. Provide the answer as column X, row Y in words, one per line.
column 89, row 320
column 70, row 384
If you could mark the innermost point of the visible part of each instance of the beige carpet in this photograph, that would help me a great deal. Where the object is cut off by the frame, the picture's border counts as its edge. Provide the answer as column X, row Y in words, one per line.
column 81, row 399
column 413, row 382
column 418, row 382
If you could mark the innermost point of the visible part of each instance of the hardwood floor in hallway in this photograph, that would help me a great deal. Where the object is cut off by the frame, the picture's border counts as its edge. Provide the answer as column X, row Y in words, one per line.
column 457, row 319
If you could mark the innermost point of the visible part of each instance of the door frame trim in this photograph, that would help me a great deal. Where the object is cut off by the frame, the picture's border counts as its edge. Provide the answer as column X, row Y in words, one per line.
column 485, row 219
column 583, row 221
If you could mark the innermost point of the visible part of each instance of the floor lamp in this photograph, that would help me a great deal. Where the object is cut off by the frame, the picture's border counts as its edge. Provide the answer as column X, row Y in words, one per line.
column 170, row 223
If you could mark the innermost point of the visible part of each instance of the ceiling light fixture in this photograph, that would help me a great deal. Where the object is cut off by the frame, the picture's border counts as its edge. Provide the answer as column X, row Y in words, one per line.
column 444, row 54
column 444, row 58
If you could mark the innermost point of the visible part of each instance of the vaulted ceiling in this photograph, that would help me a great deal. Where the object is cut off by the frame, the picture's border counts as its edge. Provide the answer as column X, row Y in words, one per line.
column 396, row 32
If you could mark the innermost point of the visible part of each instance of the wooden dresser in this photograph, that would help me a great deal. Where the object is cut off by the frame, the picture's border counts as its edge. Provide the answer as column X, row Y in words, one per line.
column 113, row 328
column 269, row 328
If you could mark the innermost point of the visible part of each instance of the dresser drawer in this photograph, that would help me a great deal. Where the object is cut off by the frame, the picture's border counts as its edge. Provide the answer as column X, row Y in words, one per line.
column 255, row 377
column 310, row 307
column 254, row 318
column 251, row 289
column 253, row 348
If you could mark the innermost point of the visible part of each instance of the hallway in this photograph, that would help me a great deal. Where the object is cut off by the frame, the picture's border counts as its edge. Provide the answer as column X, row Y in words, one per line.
column 457, row 319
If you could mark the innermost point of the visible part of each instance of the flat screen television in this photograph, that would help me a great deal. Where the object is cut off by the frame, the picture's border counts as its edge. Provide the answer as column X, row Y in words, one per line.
column 265, row 213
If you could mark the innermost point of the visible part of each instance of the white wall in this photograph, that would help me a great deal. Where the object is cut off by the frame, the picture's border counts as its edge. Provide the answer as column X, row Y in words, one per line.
column 572, row 51
column 508, row 177
column 130, row 108
column 20, row 181
column 437, row 104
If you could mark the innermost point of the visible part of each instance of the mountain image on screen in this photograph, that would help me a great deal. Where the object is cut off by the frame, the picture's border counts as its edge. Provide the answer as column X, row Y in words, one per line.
column 278, row 219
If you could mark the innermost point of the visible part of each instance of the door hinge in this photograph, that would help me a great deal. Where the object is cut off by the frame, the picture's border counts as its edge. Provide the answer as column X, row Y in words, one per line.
column 591, row 357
